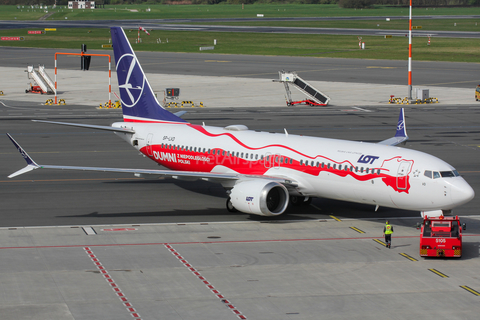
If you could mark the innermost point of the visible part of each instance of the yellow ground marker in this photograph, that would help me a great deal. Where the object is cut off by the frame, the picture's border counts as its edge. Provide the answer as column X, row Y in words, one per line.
column 358, row 230
column 381, row 242
column 438, row 273
column 470, row 290
column 408, row 257
column 335, row 218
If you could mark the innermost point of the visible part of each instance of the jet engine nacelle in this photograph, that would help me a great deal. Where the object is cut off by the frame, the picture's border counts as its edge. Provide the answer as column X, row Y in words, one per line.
column 261, row 197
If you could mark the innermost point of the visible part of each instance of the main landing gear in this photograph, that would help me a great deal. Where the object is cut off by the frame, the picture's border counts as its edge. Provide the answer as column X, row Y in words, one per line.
column 297, row 201
column 230, row 206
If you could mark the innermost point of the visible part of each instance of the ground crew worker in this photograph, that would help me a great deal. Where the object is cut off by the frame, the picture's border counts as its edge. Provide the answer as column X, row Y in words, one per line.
column 387, row 232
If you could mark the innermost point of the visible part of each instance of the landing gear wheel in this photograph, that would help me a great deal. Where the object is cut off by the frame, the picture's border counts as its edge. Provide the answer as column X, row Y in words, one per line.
column 297, row 201
column 230, row 206
column 307, row 201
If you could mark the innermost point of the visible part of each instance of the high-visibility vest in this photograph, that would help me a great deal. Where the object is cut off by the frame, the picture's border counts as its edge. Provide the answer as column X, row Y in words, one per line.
column 388, row 229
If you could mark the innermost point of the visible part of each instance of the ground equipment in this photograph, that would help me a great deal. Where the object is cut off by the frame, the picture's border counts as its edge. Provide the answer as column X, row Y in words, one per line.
column 317, row 98
column 441, row 237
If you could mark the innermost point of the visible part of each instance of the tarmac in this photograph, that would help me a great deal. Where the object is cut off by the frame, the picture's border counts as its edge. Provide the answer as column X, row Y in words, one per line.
column 91, row 88
column 316, row 269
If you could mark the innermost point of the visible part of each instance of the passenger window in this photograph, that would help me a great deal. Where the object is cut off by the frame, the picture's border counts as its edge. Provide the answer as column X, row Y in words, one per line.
column 436, row 175
column 334, row 166
column 256, row 157
column 428, row 174
column 318, row 164
column 367, row 170
column 328, row 166
column 301, row 162
column 291, row 160
column 339, row 167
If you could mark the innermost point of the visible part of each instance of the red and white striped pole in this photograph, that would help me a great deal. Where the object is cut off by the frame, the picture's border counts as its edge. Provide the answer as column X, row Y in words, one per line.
column 410, row 54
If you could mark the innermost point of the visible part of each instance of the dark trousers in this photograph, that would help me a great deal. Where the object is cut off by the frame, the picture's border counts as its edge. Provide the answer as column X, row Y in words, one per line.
column 388, row 238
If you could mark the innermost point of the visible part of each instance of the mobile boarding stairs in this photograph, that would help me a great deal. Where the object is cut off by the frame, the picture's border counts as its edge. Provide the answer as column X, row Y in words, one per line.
column 317, row 98
column 43, row 82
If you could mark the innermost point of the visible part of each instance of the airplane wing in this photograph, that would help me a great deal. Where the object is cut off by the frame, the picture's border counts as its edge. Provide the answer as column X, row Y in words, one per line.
column 207, row 176
column 401, row 133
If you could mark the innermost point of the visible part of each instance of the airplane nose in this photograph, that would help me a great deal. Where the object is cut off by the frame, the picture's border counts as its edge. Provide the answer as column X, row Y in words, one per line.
column 462, row 192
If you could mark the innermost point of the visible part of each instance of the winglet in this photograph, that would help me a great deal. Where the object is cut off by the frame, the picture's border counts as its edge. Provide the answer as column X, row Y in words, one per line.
column 31, row 165
column 400, row 134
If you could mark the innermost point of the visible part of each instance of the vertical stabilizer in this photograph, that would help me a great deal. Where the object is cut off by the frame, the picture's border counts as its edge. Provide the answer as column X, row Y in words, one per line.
column 139, row 103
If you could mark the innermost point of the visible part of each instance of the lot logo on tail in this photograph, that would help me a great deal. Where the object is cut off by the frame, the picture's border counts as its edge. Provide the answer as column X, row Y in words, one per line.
column 131, row 81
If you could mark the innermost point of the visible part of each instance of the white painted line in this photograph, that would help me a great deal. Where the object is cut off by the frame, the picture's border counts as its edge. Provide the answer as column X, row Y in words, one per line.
column 362, row 109
column 89, row 231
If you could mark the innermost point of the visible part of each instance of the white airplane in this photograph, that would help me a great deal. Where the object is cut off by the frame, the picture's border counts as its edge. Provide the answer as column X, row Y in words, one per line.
column 264, row 172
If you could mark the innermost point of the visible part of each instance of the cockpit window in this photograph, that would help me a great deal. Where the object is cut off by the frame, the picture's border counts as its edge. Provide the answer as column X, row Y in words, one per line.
column 436, row 175
column 449, row 174
column 428, row 174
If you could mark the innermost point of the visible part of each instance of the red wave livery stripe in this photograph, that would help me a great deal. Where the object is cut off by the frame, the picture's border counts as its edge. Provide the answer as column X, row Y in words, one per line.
column 176, row 159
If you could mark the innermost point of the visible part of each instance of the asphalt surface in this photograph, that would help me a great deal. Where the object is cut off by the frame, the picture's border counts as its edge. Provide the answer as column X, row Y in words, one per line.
column 425, row 74
column 183, row 25
column 77, row 198
column 148, row 249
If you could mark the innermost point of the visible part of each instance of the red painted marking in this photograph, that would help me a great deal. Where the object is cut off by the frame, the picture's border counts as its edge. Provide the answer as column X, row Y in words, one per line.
column 101, row 267
column 120, row 294
column 10, row 38
column 106, row 275
column 103, row 271
column 92, row 256
column 211, row 287
column 98, row 263
column 135, row 315
column 95, row 259
column 131, row 309
column 110, row 280
column 127, row 304
column 183, row 261
column 179, row 257
column 120, row 229
column 113, row 284
column 242, row 316
column 117, row 289
column 123, row 299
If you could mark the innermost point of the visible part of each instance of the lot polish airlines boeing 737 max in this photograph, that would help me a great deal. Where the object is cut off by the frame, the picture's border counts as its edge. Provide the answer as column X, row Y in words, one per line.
column 262, row 172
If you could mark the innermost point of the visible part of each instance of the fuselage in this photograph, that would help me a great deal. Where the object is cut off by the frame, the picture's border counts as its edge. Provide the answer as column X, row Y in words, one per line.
column 337, row 169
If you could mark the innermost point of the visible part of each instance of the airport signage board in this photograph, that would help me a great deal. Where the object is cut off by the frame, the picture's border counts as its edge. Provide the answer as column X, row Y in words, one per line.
column 36, row 32
column 12, row 38
column 50, row 29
